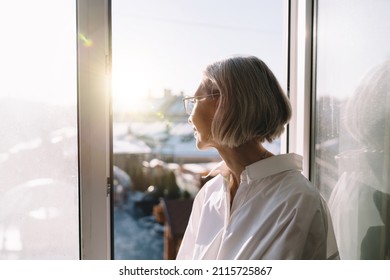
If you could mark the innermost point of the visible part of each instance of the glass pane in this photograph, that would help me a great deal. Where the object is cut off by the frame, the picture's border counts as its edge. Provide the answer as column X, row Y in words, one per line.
column 159, row 52
column 352, row 138
column 38, row 146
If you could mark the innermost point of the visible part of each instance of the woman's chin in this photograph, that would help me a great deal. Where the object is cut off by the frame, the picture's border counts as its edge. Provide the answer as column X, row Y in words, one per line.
column 199, row 145
column 202, row 145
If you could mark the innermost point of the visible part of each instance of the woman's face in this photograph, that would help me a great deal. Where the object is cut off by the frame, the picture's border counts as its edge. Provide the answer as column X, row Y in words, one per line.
column 202, row 116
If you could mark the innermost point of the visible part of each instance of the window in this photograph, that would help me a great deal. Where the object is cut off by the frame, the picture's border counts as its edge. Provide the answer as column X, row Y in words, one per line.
column 158, row 53
column 38, row 146
column 352, row 123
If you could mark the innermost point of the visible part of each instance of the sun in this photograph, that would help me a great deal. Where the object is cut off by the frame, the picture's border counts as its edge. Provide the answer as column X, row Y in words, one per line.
column 133, row 82
column 129, row 88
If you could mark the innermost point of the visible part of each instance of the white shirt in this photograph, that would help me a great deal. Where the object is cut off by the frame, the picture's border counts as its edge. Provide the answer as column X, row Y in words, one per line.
column 276, row 214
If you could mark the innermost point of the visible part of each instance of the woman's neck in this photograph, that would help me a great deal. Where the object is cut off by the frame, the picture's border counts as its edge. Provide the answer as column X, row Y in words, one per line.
column 237, row 159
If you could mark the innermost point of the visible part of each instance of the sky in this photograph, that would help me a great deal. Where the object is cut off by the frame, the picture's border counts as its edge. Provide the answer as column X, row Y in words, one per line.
column 351, row 42
column 159, row 45
column 156, row 44
column 166, row 44
column 38, row 51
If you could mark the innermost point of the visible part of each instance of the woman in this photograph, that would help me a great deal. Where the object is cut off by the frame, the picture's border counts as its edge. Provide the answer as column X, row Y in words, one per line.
column 259, row 206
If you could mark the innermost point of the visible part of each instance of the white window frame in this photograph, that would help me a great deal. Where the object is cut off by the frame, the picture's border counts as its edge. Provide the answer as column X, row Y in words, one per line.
column 94, row 120
column 300, row 80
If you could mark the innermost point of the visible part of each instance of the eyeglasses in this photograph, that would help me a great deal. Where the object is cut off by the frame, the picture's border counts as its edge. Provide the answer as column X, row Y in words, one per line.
column 189, row 102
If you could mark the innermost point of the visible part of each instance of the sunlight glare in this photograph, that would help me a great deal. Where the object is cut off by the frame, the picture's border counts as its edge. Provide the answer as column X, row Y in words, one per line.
column 134, row 81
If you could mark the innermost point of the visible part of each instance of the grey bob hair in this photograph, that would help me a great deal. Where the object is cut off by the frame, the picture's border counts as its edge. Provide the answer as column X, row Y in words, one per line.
column 252, row 104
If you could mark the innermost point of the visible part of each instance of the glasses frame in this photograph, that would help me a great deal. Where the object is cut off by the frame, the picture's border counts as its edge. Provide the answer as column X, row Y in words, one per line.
column 191, row 100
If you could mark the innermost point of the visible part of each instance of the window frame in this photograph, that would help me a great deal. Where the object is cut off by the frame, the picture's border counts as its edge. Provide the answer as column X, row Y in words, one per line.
column 94, row 127
column 300, row 80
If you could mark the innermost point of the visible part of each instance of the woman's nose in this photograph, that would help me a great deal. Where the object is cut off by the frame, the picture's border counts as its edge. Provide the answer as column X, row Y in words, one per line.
column 190, row 119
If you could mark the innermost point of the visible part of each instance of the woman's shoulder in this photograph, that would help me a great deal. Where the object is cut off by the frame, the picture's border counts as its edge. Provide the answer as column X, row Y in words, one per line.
column 290, row 187
column 213, row 184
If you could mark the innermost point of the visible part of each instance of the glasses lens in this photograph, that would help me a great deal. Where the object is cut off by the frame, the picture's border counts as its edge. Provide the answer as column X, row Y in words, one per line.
column 187, row 106
column 190, row 106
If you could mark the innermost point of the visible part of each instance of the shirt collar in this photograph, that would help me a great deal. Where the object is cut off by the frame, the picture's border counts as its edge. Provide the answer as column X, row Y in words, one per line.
column 263, row 168
column 220, row 168
column 271, row 166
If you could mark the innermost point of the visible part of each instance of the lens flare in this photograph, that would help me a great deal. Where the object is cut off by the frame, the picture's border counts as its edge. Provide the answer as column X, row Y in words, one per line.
column 86, row 42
